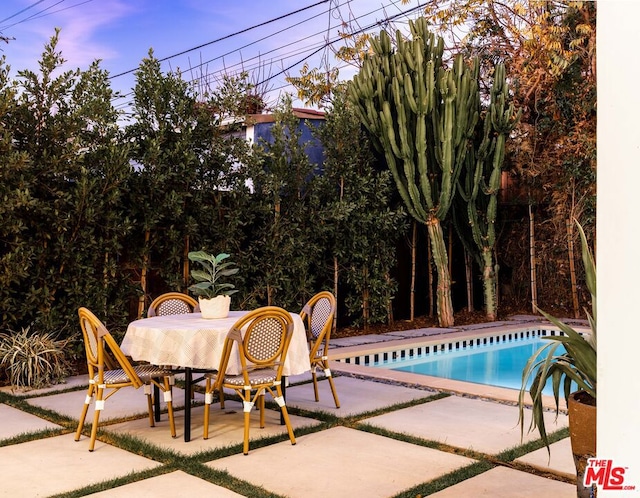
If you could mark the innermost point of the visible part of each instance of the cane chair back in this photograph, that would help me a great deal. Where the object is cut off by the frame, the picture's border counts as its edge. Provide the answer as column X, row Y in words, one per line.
column 261, row 338
column 318, row 315
column 109, row 369
column 173, row 303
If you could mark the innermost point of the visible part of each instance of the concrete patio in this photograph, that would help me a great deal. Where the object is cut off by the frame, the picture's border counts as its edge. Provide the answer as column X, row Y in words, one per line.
column 363, row 453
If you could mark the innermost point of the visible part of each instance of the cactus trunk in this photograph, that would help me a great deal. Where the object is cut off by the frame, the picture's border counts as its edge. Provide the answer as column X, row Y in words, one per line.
column 489, row 284
column 444, row 303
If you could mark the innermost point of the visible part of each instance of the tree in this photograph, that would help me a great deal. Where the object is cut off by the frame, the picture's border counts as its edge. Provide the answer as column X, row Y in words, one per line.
column 355, row 219
column 549, row 51
column 421, row 115
column 283, row 249
column 64, row 174
column 479, row 185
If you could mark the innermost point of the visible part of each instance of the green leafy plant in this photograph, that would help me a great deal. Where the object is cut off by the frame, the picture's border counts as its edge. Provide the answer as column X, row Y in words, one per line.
column 577, row 364
column 33, row 360
column 208, row 280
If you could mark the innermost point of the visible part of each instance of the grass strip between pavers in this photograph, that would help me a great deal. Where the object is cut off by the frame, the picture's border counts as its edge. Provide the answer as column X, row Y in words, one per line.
column 195, row 464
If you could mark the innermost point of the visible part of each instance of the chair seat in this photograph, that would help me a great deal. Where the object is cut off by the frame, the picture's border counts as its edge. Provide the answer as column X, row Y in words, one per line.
column 260, row 376
column 145, row 372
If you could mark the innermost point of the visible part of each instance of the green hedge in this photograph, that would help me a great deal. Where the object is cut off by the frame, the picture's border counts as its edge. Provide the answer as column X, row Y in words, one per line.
column 91, row 205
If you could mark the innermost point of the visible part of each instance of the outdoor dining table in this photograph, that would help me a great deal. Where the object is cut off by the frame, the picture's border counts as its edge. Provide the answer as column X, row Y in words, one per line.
column 195, row 344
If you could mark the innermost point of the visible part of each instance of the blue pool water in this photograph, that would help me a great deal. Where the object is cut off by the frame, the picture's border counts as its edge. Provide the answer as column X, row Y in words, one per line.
column 496, row 364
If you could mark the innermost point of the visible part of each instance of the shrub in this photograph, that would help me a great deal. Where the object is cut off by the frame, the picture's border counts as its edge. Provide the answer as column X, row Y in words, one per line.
column 33, row 360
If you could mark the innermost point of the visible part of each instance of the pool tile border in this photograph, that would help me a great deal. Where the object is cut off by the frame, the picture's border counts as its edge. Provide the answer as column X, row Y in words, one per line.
column 356, row 360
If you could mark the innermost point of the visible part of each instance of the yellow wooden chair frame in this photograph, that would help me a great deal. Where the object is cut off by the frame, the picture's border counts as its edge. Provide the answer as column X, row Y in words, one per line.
column 262, row 348
column 109, row 368
column 318, row 315
column 172, row 303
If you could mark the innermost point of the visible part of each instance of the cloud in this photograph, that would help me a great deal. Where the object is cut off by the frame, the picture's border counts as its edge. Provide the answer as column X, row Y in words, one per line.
column 82, row 32
column 81, row 39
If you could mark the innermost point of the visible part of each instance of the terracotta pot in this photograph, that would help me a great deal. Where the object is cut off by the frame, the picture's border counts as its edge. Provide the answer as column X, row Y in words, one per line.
column 582, row 430
column 217, row 307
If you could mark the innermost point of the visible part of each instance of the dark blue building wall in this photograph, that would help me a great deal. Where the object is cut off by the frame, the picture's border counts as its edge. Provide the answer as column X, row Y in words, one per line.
column 313, row 148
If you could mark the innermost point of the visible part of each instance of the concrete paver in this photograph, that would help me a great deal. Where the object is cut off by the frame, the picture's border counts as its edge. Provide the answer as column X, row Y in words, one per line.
column 363, row 396
column 559, row 459
column 15, row 422
column 501, row 482
column 338, row 461
column 225, row 428
column 127, row 402
column 341, row 462
column 474, row 424
column 172, row 484
column 58, row 464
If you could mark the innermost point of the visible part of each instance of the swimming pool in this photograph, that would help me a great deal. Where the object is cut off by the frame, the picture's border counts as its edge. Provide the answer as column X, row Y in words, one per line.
column 498, row 364
column 379, row 359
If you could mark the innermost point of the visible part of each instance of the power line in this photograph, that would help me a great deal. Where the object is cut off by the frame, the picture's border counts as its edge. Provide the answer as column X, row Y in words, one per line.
column 315, row 47
column 37, row 16
column 21, row 11
column 229, row 36
column 283, row 56
column 338, row 38
column 55, row 11
column 267, row 37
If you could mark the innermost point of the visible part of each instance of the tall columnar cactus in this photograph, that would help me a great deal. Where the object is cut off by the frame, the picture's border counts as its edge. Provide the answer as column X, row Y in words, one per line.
column 421, row 115
column 480, row 183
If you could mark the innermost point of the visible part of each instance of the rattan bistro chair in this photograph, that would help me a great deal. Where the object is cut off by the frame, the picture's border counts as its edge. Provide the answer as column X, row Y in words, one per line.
column 102, row 350
column 262, row 350
column 318, row 315
column 173, row 303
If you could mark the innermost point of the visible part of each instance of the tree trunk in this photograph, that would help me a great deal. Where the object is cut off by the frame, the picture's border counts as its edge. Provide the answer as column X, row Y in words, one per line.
column 412, row 293
column 468, row 267
column 444, row 304
column 185, row 264
column 572, row 271
column 143, row 275
column 335, row 290
column 489, row 283
column 387, row 278
column 532, row 254
column 429, row 275
column 365, row 301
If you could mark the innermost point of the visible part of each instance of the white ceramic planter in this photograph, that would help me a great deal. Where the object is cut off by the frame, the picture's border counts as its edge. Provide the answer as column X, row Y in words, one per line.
column 217, row 307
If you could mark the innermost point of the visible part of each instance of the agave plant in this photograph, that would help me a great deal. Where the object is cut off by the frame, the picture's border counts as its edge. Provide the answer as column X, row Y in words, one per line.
column 577, row 364
column 33, row 360
column 209, row 280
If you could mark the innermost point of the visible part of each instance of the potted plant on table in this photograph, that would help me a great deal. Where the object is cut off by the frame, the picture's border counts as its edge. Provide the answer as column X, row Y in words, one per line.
column 575, row 366
column 214, row 294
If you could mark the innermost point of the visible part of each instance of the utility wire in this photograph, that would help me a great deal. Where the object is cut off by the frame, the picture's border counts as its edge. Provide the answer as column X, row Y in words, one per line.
column 266, row 38
column 338, row 38
column 283, row 56
column 228, row 36
column 315, row 47
column 36, row 15
column 21, row 11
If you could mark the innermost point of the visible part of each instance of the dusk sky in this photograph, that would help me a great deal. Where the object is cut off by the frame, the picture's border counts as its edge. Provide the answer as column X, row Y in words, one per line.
column 121, row 32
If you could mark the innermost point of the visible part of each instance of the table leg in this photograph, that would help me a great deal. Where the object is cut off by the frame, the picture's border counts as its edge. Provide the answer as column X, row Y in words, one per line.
column 187, row 404
column 284, row 395
column 156, row 402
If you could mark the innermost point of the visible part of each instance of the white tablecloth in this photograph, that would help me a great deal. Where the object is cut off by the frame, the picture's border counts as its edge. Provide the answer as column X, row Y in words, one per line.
column 189, row 340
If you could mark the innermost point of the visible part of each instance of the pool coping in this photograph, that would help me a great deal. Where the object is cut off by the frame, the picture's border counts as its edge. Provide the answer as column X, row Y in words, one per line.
column 433, row 337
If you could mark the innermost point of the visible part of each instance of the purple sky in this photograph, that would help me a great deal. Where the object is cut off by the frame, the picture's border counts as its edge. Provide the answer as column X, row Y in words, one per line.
column 121, row 32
